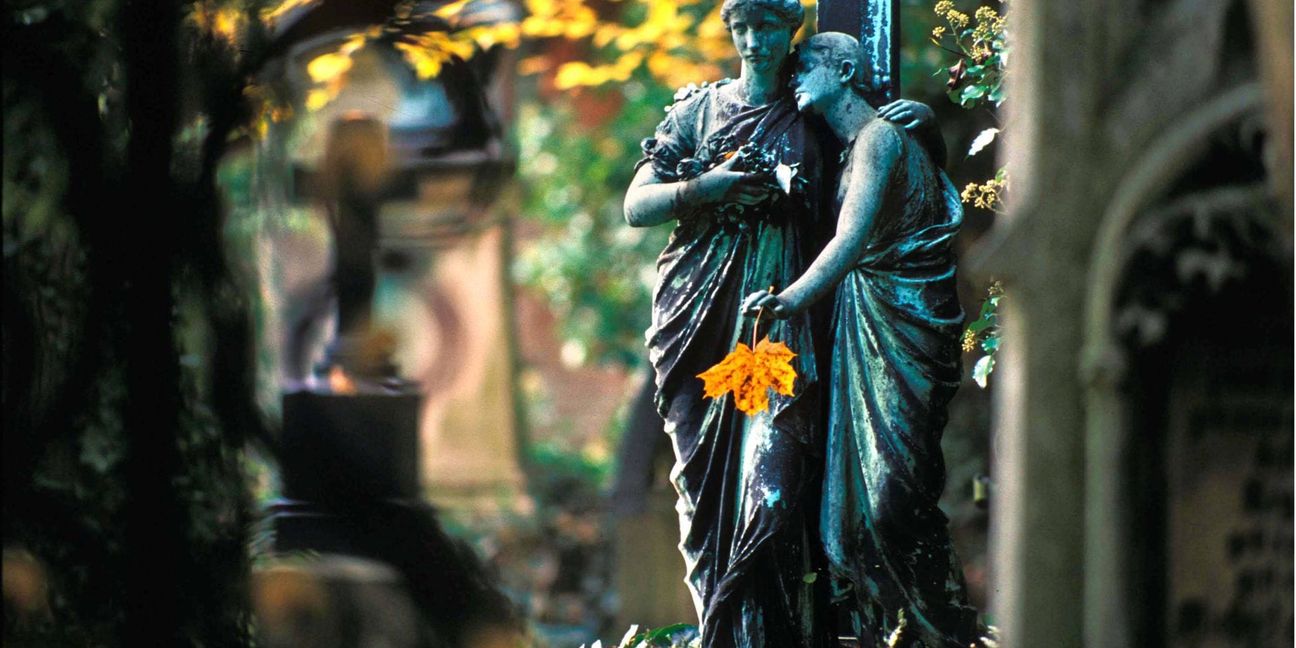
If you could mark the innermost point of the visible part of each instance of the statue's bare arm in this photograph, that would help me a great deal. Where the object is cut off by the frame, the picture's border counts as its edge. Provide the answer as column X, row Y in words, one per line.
column 875, row 158
column 649, row 201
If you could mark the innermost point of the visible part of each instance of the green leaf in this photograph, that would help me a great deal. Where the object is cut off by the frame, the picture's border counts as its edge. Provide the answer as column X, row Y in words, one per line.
column 990, row 344
column 662, row 636
column 997, row 94
column 810, row 577
column 973, row 92
column 987, row 308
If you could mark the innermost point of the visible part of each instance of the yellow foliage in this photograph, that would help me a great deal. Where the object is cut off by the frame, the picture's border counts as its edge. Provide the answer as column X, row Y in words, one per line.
column 750, row 374
column 488, row 36
column 986, row 196
column 224, row 23
column 578, row 73
column 327, row 67
column 429, row 52
column 318, row 98
column 452, row 10
column 271, row 14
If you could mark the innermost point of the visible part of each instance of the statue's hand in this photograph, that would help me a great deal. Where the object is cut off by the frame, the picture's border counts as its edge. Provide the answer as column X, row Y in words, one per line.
column 723, row 184
column 768, row 302
column 912, row 114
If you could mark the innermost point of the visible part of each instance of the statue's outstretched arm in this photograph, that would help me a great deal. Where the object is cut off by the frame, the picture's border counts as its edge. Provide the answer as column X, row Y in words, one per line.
column 874, row 160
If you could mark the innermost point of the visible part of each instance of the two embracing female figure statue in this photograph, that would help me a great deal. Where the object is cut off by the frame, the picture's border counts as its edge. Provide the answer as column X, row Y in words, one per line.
column 840, row 479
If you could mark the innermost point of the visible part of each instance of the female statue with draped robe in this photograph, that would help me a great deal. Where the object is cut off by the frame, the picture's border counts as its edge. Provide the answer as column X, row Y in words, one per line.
column 744, row 535
column 895, row 365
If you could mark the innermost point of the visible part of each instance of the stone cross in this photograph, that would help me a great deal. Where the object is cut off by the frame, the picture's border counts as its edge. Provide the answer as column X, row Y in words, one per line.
column 876, row 23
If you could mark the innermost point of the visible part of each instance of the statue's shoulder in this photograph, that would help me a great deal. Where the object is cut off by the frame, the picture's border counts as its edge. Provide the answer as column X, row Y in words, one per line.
column 690, row 98
column 879, row 138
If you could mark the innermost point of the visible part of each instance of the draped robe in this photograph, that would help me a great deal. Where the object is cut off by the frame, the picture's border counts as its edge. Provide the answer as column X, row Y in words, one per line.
column 742, row 481
column 895, row 366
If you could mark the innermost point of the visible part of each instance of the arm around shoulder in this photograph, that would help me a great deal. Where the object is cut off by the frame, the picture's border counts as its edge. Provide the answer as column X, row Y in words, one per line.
column 875, row 157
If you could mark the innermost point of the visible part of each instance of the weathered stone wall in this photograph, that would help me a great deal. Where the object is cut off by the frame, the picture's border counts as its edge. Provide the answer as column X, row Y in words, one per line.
column 1111, row 105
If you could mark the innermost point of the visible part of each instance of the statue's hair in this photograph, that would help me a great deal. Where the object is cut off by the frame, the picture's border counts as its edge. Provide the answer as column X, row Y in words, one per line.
column 790, row 12
column 832, row 48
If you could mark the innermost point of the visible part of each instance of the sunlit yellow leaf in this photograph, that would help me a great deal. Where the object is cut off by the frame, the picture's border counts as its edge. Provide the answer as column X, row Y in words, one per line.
column 541, row 7
column 452, row 10
column 570, row 75
column 578, row 29
column 541, row 27
column 327, row 67
column 352, row 44
column 605, row 34
column 317, row 98
column 488, row 36
column 273, row 13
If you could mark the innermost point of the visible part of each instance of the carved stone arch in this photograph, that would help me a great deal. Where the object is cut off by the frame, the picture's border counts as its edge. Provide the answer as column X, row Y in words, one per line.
column 1161, row 247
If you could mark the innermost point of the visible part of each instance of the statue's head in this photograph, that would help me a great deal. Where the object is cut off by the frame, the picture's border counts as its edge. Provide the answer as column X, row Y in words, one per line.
column 827, row 65
column 762, row 30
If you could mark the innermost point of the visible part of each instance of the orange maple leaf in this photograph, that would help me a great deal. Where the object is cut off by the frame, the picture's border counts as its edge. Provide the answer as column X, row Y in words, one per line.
column 750, row 374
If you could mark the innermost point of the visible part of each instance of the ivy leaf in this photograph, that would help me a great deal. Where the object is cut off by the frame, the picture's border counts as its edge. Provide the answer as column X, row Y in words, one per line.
column 666, row 635
column 982, row 140
column 997, row 94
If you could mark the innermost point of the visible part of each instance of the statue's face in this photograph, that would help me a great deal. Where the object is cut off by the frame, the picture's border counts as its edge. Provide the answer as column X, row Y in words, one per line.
column 815, row 83
column 761, row 38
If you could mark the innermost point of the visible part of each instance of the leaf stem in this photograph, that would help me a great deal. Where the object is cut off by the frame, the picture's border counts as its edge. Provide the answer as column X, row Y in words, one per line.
column 760, row 311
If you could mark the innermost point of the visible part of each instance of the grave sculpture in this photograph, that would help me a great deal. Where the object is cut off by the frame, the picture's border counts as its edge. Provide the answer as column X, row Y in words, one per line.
column 740, row 170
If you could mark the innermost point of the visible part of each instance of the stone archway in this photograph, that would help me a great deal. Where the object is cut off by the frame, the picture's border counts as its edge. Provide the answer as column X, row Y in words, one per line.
column 1164, row 263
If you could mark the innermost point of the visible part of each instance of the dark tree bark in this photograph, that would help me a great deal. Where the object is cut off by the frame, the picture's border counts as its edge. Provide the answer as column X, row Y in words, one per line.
column 144, row 245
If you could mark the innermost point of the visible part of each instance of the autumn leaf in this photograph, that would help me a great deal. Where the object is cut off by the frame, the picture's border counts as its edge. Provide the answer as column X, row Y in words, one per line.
column 750, row 374
column 327, row 67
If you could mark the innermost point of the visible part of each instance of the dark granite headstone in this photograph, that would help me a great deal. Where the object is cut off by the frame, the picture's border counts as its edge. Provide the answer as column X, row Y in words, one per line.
column 348, row 447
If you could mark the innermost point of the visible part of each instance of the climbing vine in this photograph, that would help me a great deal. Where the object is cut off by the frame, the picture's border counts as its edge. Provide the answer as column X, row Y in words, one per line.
column 979, row 44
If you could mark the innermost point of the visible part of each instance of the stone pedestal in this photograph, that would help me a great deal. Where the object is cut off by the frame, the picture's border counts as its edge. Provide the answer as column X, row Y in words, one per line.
column 350, row 446
column 351, row 488
column 340, row 453
column 442, row 290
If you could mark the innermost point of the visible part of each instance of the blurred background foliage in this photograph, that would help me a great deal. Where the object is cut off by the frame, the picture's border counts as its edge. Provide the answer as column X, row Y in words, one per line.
column 594, row 79
column 587, row 121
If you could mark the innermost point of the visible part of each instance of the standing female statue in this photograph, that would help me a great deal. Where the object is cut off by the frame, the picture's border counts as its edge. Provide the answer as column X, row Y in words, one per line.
column 740, row 479
column 895, row 364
